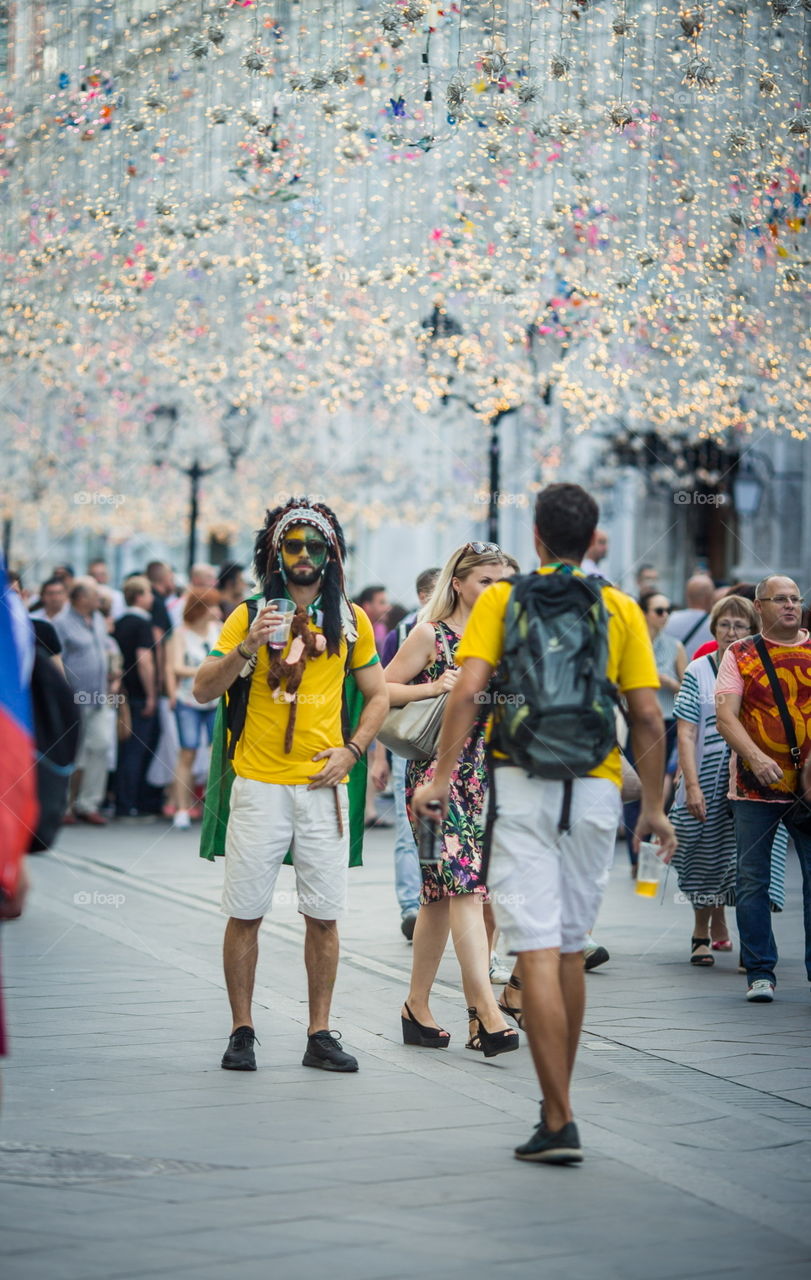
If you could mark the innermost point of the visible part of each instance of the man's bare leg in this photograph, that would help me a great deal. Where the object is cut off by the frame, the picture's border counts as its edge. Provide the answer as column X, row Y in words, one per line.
column 573, row 985
column 239, row 954
column 553, row 1003
column 321, row 949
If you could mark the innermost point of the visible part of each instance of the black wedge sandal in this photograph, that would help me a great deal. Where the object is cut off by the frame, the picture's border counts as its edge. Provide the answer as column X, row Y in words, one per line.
column 509, row 1010
column 491, row 1043
column 425, row 1037
column 701, row 962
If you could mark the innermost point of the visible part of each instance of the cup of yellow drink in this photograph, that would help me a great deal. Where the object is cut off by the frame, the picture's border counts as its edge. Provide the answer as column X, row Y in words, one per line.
column 648, row 870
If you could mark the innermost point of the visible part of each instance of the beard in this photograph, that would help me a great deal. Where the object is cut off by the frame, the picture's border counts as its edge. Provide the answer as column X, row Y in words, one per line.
column 304, row 577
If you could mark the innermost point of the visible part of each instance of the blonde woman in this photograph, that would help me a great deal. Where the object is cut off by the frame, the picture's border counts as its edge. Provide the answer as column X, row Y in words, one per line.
column 452, row 894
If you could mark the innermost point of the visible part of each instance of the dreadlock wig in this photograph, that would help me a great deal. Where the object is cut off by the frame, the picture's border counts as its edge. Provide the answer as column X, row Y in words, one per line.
column 269, row 566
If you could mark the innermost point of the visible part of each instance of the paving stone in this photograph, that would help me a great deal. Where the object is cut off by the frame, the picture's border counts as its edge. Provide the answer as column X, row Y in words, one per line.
column 117, row 1030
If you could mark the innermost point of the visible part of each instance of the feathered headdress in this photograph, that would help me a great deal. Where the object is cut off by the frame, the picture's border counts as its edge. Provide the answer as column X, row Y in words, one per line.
column 270, row 570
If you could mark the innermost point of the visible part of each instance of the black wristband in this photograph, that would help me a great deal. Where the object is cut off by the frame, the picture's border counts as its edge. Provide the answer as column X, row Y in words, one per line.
column 355, row 749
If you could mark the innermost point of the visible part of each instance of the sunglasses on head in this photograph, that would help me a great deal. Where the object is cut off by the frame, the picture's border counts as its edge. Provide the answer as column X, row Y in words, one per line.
column 478, row 549
column 315, row 546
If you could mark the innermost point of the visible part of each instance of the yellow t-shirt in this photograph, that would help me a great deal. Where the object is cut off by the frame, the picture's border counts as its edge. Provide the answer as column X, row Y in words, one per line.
column 260, row 751
column 631, row 664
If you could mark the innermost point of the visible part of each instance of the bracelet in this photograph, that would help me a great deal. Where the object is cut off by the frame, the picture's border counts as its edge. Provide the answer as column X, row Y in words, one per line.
column 243, row 652
column 355, row 749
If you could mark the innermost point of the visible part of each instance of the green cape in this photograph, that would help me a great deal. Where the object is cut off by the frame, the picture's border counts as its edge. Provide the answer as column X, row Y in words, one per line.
column 221, row 776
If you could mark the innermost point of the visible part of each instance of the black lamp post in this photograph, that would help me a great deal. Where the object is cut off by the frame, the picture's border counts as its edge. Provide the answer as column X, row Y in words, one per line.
column 440, row 325
column 195, row 472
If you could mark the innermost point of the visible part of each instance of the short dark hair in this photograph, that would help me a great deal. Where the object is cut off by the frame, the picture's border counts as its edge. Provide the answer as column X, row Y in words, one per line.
column 565, row 519
column 52, row 582
column 228, row 574
column 647, row 596
column 426, row 581
column 153, row 569
column 368, row 594
column 744, row 589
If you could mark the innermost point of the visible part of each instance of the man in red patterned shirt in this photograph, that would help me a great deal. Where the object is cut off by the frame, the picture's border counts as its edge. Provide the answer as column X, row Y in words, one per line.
column 763, row 775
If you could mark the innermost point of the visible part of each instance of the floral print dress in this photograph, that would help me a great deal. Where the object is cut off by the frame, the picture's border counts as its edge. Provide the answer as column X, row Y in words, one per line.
column 462, row 832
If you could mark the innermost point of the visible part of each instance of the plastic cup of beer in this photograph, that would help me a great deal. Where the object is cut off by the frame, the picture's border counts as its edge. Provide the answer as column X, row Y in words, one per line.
column 648, row 870
column 279, row 636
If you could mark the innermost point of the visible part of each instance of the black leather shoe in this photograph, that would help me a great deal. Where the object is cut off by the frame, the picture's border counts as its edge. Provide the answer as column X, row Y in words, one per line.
column 239, row 1056
column 324, row 1051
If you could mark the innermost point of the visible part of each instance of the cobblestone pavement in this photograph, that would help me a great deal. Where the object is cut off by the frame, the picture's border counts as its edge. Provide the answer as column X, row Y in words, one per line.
column 127, row 1152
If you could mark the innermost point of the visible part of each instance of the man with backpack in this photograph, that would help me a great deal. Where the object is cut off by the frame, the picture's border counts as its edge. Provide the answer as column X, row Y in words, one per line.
column 291, row 755
column 562, row 645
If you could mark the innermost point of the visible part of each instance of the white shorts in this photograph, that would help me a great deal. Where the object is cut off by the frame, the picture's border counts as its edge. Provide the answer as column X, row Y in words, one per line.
column 546, row 887
column 265, row 819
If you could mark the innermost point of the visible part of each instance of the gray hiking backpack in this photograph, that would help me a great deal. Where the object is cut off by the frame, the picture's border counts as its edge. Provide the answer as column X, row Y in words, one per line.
column 554, row 706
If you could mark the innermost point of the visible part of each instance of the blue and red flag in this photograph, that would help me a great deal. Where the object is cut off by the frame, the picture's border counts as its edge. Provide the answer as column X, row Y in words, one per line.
column 18, row 778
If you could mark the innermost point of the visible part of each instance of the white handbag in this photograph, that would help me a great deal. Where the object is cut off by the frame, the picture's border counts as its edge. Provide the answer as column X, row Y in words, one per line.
column 412, row 731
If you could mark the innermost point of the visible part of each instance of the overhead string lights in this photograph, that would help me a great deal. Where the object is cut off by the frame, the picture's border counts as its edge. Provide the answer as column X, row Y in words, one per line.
column 355, row 225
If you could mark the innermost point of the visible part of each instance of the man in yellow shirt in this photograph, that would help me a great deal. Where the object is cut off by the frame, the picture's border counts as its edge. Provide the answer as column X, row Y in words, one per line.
column 293, row 791
column 546, row 876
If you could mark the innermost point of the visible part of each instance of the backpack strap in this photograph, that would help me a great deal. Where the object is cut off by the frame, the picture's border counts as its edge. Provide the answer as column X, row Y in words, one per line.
column 236, row 696
column 565, row 819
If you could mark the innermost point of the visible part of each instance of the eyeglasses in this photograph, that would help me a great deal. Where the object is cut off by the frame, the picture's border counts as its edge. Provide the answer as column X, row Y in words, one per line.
column 315, row 546
column 781, row 599
column 726, row 624
column 661, row 611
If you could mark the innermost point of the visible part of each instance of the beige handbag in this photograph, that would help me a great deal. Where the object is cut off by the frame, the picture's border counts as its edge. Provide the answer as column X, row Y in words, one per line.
column 123, row 719
column 412, row 731
column 631, row 784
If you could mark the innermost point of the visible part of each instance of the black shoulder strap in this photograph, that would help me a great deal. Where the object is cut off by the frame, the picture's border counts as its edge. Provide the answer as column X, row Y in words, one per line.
column 779, row 701
column 236, row 697
column 695, row 627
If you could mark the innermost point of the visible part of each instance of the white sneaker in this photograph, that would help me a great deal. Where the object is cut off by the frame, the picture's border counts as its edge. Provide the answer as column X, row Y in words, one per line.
column 181, row 820
column 499, row 972
column 761, row 991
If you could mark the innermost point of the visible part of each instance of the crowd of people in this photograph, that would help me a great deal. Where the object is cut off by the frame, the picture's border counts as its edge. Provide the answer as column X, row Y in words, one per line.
column 130, row 656
column 493, row 711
